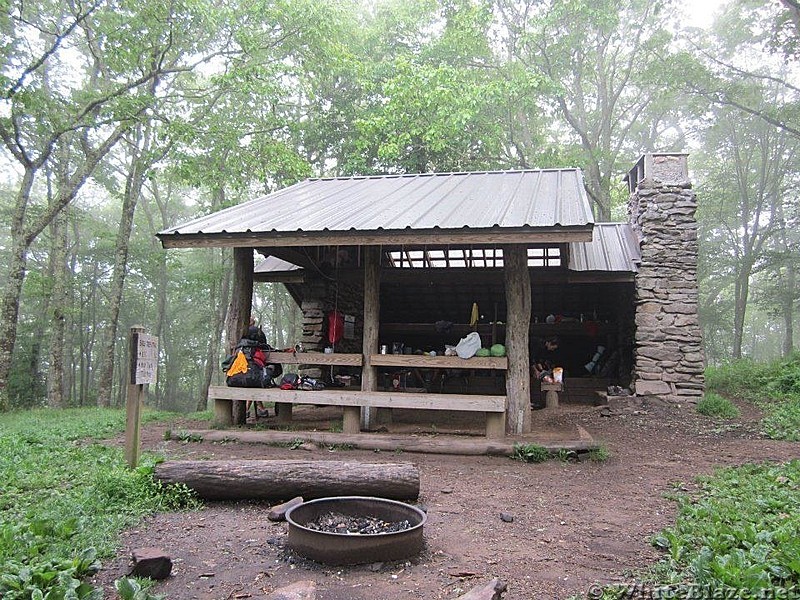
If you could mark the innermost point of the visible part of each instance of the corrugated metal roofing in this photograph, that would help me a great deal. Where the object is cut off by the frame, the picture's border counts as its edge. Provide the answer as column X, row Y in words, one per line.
column 273, row 264
column 614, row 247
column 547, row 198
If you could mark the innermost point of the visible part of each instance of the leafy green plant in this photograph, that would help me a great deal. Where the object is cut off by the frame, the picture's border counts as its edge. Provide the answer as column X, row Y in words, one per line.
column 187, row 436
column 129, row 588
column 56, row 515
column 565, row 455
column 738, row 532
column 782, row 421
column 532, row 453
column 719, row 407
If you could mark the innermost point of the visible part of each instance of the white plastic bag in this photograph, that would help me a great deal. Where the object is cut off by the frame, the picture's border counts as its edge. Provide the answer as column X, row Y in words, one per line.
column 469, row 345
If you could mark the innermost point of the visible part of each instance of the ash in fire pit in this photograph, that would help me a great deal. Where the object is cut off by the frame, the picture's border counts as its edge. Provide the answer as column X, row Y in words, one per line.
column 355, row 529
column 335, row 522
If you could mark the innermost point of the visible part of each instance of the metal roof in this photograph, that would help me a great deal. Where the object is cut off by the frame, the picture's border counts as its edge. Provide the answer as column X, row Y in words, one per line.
column 614, row 247
column 474, row 207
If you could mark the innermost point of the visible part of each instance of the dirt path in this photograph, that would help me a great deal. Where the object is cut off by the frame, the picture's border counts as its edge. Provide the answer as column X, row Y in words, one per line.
column 574, row 524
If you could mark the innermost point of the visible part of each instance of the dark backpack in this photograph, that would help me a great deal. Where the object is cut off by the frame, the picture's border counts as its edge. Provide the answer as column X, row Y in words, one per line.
column 258, row 372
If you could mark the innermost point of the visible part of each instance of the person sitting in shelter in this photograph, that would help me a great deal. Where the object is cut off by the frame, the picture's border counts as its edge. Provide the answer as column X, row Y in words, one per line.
column 543, row 358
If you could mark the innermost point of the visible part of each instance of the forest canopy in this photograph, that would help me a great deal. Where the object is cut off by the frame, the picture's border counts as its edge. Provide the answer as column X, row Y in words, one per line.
column 120, row 119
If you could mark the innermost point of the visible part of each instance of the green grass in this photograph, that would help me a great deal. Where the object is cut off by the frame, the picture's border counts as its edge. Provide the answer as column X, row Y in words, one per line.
column 716, row 406
column 600, row 454
column 67, row 496
column 773, row 387
column 531, row 453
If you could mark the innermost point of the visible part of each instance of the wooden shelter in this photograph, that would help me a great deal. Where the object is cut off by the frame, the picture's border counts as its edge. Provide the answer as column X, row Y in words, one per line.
column 404, row 258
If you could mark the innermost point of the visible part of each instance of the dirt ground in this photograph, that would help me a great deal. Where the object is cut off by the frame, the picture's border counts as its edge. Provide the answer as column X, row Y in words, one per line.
column 574, row 524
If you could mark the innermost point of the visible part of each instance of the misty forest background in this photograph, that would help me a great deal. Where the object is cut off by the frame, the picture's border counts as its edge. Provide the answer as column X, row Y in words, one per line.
column 120, row 118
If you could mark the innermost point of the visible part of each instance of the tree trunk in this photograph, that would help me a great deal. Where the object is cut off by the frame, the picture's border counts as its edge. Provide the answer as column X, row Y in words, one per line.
column 218, row 303
column 58, row 299
column 18, row 262
column 133, row 190
column 239, row 311
column 284, row 479
column 518, row 304
column 220, row 292
column 741, row 293
column 787, row 311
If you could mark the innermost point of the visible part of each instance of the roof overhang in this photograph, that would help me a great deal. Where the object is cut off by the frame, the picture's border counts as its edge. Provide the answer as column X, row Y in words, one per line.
column 378, row 237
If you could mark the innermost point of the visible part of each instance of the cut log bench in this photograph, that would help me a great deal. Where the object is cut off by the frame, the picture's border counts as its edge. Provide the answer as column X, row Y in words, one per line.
column 551, row 391
column 352, row 401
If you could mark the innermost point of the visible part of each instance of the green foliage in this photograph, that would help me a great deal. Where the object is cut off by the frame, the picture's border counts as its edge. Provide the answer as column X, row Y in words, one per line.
column 774, row 387
column 186, row 436
column 601, row 454
column 132, row 589
column 565, row 455
column 714, row 405
column 532, row 453
column 782, row 422
column 56, row 515
column 740, row 531
column 26, row 386
column 742, row 379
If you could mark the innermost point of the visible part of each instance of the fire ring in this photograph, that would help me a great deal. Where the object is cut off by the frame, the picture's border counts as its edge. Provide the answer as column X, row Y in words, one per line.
column 348, row 548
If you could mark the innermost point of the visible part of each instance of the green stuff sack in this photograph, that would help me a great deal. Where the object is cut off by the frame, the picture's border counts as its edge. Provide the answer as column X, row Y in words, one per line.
column 497, row 350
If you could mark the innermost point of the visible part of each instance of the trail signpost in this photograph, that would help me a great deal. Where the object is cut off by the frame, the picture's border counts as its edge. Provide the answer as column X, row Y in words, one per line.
column 143, row 351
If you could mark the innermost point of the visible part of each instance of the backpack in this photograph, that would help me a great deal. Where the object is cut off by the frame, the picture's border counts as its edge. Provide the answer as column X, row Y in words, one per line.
column 248, row 366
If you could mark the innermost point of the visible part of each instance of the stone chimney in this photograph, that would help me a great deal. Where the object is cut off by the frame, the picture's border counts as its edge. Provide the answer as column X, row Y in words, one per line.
column 668, row 354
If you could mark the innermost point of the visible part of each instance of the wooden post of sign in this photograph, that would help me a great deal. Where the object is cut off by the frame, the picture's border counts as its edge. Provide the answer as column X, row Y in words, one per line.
column 133, row 401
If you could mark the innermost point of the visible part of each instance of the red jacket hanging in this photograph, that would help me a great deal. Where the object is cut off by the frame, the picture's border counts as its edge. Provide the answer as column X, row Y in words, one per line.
column 335, row 326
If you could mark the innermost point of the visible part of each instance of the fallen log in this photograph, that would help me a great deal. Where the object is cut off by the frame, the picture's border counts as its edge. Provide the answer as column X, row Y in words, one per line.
column 282, row 479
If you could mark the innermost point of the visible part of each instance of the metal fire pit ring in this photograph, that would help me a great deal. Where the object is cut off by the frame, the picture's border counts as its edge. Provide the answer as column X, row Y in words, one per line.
column 351, row 549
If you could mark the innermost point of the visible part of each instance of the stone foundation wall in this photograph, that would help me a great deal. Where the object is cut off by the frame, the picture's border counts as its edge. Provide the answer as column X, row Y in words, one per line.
column 668, row 354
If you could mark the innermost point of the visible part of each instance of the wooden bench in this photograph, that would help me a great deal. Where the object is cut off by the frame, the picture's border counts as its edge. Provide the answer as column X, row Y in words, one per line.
column 353, row 400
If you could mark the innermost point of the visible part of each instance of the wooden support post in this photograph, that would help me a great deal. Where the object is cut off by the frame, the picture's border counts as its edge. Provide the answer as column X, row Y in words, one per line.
column 518, row 305
column 239, row 312
column 133, row 403
column 223, row 412
column 284, row 412
column 495, row 425
column 369, row 374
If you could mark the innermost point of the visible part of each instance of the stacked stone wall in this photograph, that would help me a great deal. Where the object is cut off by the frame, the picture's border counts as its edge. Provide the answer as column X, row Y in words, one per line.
column 320, row 298
column 668, row 354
